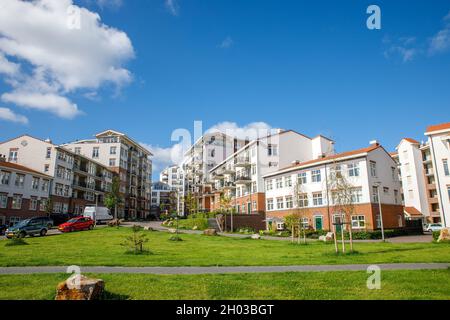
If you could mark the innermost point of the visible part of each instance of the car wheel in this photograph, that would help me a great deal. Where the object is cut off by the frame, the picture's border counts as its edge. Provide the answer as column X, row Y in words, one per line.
column 22, row 234
column 43, row 232
column 91, row 227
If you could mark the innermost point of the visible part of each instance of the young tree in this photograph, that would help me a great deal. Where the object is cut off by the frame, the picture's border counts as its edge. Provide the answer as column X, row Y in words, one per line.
column 113, row 199
column 301, row 208
column 344, row 198
column 191, row 203
column 226, row 207
column 49, row 207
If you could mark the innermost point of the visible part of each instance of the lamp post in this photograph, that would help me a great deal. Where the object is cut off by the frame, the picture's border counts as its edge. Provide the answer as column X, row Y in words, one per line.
column 378, row 185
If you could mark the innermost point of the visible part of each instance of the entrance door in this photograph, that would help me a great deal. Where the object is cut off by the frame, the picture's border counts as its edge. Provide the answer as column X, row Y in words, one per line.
column 249, row 207
column 318, row 222
column 337, row 219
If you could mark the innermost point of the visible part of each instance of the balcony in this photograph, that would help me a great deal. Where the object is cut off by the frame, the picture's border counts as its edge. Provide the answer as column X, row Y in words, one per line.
column 243, row 179
column 229, row 185
column 242, row 162
column 429, row 172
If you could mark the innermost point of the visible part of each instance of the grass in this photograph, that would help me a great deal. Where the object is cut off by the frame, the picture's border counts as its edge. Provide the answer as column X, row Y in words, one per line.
column 395, row 285
column 101, row 247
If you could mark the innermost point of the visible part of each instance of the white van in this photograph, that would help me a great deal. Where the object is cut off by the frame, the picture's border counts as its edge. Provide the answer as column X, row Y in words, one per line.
column 98, row 214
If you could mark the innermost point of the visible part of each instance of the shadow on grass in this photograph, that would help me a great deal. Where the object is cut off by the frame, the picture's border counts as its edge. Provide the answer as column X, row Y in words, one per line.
column 14, row 242
column 114, row 296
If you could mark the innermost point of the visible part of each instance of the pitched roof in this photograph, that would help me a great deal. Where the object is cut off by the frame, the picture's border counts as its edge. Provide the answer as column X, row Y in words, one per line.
column 411, row 140
column 337, row 156
column 438, row 127
column 16, row 166
column 412, row 212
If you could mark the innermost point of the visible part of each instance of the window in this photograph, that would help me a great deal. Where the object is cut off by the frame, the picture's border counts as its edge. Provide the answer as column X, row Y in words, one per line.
column 336, row 171
column 254, row 206
column 4, row 177
column 356, row 195
column 280, row 203
column 317, row 199
column 411, row 194
column 375, row 194
column 112, row 162
column 289, row 202
column 59, row 189
column 272, row 150
column 316, row 176
column 17, row 202
column 448, row 191
column 45, row 185
column 35, row 183
column 353, row 169
column 386, row 190
column 254, row 189
column 3, row 200
column 112, row 150
column 446, row 170
column 269, row 204
column 394, row 177
column 95, row 152
column 302, row 200
column 358, row 222
column 43, row 205
column 66, row 191
column 48, row 154
column 373, row 168
column 305, row 223
column 253, row 169
column 396, row 196
column 33, row 203
column 269, row 185
column 46, row 168
column 77, row 150
column 302, row 178
column 20, row 180
column 12, row 155
column 279, row 183
column 288, row 181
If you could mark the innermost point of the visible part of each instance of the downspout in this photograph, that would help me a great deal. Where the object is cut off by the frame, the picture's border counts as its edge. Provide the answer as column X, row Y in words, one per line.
column 438, row 182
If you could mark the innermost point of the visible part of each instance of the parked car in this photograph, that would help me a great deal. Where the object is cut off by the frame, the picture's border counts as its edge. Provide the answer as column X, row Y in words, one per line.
column 433, row 227
column 77, row 224
column 98, row 214
column 29, row 227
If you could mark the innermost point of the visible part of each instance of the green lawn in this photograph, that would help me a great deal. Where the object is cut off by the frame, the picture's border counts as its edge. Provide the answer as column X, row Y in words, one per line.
column 102, row 247
column 424, row 285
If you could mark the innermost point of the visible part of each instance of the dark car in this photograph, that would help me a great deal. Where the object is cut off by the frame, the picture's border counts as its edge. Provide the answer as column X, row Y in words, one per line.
column 3, row 228
column 30, row 227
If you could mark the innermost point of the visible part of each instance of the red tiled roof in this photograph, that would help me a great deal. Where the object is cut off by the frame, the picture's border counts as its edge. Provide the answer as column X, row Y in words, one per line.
column 16, row 166
column 412, row 212
column 336, row 156
column 411, row 140
column 438, row 127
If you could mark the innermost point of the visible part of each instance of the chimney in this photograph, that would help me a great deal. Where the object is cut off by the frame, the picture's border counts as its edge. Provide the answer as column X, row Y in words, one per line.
column 48, row 140
column 374, row 142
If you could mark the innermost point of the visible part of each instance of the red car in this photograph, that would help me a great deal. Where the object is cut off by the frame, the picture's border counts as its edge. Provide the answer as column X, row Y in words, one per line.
column 77, row 224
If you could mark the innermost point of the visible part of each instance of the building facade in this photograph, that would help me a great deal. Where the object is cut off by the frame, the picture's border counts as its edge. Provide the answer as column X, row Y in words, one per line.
column 130, row 161
column 77, row 181
column 164, row 199
column 307, row 187
column 172, row 176
column 240, row 176
column 24, row 192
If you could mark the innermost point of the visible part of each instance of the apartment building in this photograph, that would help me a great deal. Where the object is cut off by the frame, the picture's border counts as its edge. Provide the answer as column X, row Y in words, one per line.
column 418, row 181
column 77, row 181
column 164, row 198
column 172, row 176
column 439, row 142
column 24, row 192
column 240, row 176
column 209, row 150
column 371, row 173
column 129, row 160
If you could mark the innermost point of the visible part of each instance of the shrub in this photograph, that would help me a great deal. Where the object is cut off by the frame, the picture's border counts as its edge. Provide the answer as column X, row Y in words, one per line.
column 135, row 242
column 16, row 240
column 175, row 238
column 193, row 221
column 436, row 235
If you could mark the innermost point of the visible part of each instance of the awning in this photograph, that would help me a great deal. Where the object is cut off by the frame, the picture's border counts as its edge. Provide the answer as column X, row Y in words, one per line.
column 413, row 212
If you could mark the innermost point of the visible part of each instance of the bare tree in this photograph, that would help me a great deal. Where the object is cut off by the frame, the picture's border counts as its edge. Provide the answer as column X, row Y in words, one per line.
column 226, row 207
column 300, row 206
column 343, row 195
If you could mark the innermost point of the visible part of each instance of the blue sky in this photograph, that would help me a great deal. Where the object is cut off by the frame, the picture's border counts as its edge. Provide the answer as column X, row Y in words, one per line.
column 311, row 66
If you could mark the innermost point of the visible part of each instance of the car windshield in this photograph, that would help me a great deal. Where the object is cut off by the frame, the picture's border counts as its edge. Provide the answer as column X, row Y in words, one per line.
column 73, row 220
column 22, row 223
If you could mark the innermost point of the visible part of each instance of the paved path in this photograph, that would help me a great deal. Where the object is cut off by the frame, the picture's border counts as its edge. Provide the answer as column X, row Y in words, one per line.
column 223, row 270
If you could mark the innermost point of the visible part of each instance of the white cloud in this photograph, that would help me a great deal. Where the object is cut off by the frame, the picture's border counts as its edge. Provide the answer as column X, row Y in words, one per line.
column 405, row 48
column 63, row 60
column 7, row 67
column 9, row 115
column 59, row 105
column 172, row 6
column 164, row 157
column 226, row 43
column 440, row 42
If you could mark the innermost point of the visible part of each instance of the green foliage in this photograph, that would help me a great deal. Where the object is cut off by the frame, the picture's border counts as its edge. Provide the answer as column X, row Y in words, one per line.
column 436, row 235
column 135, row 242
column 376, row 235
column 175, row 238
column 201, row 223
column 16, row 240
column 246, row 230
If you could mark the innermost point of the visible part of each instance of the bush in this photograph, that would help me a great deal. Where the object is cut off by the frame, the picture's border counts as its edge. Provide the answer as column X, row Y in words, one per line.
column 436, row 235
column 175, row 238
column 135, row 242
column 192, row 221
column 16, row 240
column 246, row 230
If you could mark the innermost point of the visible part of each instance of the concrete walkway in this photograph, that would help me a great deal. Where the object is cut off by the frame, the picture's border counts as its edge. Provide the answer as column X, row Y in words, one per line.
column 226, row 270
